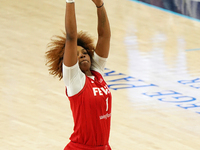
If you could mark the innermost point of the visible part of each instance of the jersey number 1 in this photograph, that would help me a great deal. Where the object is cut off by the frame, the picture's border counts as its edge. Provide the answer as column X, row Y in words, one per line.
column 107, row 104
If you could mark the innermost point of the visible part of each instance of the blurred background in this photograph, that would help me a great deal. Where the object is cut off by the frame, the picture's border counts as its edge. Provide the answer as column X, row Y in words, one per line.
column 189, row 8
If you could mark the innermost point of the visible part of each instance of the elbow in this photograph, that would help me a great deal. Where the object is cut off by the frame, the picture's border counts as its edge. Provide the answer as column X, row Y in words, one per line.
column 105, row 34
column 70, row 36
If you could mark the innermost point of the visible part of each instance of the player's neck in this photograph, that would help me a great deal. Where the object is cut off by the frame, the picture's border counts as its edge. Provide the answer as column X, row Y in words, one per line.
column 88, row 73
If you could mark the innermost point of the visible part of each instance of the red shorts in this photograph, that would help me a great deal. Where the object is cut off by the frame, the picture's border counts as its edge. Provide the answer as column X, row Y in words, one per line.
column 76, row 146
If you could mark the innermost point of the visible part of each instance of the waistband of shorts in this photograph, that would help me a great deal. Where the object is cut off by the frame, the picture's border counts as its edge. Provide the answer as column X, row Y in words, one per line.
column 78, row 146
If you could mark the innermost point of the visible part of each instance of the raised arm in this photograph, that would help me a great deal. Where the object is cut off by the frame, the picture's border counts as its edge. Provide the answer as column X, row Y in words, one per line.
column 70, row 54
column 104, row 33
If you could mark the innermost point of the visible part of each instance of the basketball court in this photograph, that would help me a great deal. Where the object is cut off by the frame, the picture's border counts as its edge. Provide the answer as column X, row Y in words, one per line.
column 153, row 72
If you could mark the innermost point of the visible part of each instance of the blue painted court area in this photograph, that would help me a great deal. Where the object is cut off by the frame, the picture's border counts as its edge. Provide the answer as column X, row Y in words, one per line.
column 121, row 81
column 189, row 9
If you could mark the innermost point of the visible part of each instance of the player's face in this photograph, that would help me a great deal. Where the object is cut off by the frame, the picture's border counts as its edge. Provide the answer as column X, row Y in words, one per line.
column 83, row 59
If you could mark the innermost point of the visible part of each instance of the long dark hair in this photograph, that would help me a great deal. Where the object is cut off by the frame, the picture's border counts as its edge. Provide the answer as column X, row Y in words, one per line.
column 56, row 48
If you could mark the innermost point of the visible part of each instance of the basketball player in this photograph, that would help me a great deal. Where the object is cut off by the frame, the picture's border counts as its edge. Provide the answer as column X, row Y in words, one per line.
column 81, row 66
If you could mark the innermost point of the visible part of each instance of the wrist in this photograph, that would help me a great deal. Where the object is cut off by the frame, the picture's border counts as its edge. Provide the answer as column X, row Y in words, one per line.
column 70, row 1
column 100, row 5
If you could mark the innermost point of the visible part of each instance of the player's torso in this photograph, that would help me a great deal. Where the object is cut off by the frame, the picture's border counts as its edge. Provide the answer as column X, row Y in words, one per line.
column 92, row 111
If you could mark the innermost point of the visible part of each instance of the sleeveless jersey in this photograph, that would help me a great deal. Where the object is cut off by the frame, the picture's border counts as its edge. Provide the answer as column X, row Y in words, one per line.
column 91, row 109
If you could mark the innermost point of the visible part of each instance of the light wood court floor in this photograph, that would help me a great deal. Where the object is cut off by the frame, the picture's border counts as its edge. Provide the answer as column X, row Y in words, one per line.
column 153, row 73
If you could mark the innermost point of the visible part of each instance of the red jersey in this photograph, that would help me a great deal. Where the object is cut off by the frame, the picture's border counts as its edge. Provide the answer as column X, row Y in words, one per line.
column 91, row 109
